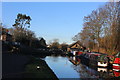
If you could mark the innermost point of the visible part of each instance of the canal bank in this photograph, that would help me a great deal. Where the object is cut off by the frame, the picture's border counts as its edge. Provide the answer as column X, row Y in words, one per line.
column 22, row 66
column 37, row 68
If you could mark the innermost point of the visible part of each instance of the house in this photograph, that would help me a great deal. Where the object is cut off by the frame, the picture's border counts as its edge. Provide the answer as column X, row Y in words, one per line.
column 77, row 46
column 5, row 36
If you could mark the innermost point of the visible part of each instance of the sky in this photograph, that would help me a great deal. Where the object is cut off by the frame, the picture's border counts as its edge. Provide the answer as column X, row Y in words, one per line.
column 51, row 20
column 58, row 0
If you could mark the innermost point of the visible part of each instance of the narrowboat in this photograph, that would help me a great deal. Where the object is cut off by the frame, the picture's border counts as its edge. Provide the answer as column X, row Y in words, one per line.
column 95, row 59
column 116, row 62
column 116, row 73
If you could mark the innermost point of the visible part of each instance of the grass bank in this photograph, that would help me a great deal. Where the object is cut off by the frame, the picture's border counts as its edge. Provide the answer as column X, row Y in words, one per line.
column 31, row 70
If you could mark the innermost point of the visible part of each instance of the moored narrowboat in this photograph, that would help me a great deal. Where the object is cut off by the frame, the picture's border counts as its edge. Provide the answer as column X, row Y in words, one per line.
column 116, row 62
column 94, row 59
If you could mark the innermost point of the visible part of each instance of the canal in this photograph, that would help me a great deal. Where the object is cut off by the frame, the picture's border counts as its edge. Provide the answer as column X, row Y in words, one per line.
column 71, row 67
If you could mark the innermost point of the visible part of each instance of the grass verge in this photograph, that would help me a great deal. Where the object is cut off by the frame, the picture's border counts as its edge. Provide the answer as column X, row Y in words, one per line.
column 31, row 70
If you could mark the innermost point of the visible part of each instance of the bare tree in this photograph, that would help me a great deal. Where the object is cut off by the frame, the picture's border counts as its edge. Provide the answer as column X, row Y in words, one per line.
column 102, row 28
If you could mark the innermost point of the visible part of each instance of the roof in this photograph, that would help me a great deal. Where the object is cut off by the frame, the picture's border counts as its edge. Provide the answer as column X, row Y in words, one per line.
column 78, row 42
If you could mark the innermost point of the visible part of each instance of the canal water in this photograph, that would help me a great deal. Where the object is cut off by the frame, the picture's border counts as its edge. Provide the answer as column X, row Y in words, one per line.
column 70, row 67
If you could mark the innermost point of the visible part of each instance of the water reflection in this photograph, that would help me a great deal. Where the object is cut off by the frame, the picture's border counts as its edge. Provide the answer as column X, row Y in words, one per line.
column 102, row 69
column 95, row 72
column 82, row 70
column 62, row 67
column 71, row 67
column 74, row 60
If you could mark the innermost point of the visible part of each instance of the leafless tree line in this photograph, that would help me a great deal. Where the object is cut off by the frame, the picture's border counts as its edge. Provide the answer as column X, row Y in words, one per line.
column 101, row 29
